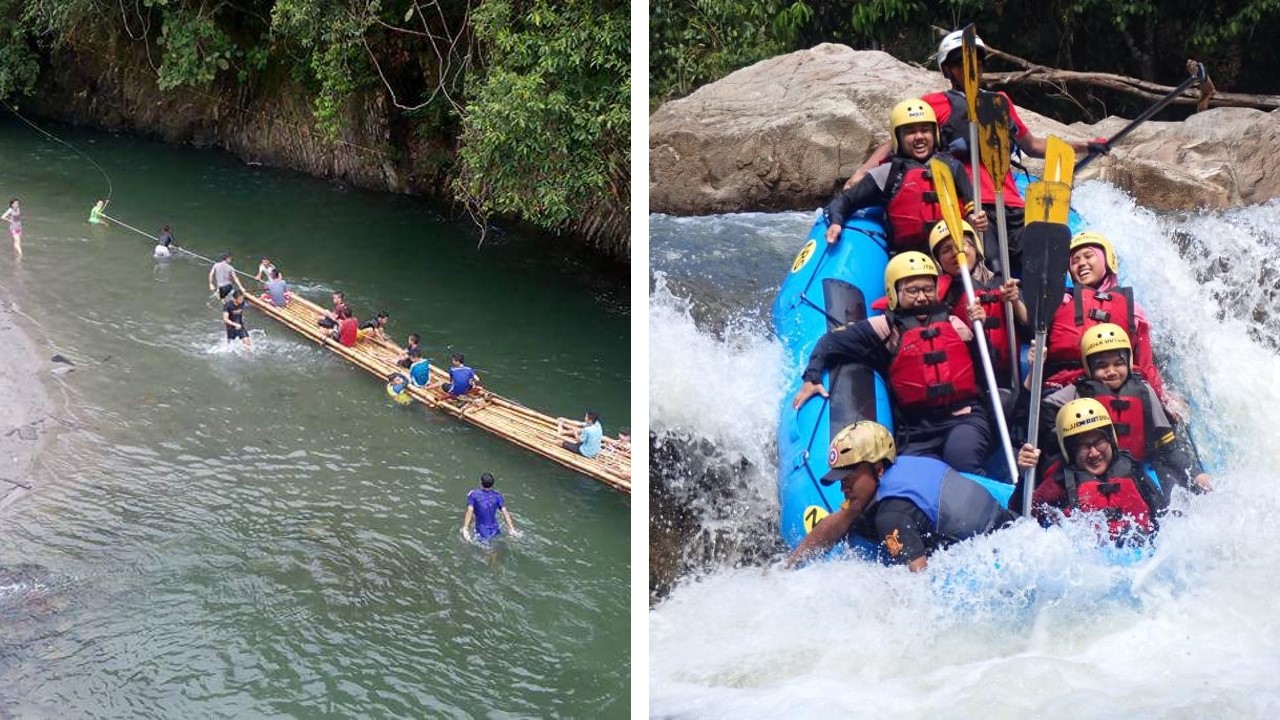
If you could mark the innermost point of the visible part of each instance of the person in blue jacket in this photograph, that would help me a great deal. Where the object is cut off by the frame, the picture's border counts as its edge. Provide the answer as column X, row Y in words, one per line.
column 915, row 504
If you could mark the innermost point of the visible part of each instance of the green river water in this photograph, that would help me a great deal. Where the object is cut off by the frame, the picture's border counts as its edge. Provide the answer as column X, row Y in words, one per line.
column 267, row 536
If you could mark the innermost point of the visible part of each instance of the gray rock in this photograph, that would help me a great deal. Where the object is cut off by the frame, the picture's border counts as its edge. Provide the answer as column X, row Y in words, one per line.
column 783, row 134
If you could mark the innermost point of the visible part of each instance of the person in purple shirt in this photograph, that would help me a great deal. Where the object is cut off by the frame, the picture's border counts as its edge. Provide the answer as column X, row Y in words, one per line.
column 483, row 505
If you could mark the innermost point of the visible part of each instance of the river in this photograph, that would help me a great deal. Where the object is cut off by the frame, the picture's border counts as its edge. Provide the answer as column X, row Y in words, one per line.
column 266, row 535
column 1050, row 630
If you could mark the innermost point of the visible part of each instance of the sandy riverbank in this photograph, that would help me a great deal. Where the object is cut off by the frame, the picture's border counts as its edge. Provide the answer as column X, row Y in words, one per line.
column 26, row 407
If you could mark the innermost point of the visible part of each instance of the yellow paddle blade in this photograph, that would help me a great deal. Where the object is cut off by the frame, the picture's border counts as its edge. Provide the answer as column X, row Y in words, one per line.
column 948, row 201
column 994, row 142
column 969, row 57
column 1048, row 202
column 1059, row 160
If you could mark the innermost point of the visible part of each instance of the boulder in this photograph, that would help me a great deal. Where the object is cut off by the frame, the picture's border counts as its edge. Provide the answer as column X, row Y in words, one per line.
column 783, row 134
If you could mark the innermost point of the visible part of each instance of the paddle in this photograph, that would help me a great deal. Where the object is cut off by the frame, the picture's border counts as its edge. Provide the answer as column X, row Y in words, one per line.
column 996, row 148
column 969, row 60
column 1198, row 75
column 945, row 186
column 1045, row 249
column 1059, row 159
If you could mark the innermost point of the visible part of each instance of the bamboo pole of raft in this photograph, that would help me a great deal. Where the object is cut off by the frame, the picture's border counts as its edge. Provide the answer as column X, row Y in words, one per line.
column 518, row 424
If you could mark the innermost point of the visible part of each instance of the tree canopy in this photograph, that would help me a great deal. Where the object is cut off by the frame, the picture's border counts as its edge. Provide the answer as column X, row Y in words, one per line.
column 534, row 94
column 692, row 43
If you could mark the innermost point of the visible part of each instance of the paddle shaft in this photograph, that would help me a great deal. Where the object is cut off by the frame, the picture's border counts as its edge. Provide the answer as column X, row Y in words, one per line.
column 1033, row 423
column 997, row 407
column 1161, row 104
column 1002, row 231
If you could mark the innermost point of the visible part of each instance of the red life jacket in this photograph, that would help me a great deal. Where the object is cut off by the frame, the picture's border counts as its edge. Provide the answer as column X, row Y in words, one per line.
column 988, row 296
column 1128, row 410
column 913, row 207
column 952, row 110
column 932, row 368
column 1086, row 308
column 1117, row 495
column 348, row 331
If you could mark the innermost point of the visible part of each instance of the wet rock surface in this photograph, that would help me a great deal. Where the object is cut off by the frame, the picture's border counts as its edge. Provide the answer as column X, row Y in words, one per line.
column 785, row 133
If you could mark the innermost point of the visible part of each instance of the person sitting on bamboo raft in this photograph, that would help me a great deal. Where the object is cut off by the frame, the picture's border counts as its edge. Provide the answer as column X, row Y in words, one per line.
column 462, row 379
column 376, row 326
column 412, row 352
column 420, row 372
column 584, row 438
column 277, row 290
column 615, row 447
column 330, row 319
column 346, row 331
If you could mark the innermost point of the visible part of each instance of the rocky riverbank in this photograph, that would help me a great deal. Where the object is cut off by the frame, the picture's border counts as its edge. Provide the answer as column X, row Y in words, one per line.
column 109, row 82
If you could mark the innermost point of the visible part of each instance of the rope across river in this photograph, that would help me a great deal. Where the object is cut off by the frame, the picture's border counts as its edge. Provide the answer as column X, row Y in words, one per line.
column 144, row 233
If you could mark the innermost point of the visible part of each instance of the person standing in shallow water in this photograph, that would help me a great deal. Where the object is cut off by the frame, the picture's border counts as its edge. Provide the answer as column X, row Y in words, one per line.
column 233, row 320
column 483, row 504
column 14, row 216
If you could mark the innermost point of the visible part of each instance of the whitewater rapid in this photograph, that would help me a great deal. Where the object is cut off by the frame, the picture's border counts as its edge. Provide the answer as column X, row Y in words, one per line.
column 1027, row 622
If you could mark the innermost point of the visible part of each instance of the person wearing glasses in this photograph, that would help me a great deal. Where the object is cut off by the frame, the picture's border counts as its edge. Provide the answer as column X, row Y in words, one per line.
column 1093, row 475
column 927, row 355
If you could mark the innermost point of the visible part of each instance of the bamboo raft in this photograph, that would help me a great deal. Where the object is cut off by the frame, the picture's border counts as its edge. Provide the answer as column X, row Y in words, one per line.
column 493, row 413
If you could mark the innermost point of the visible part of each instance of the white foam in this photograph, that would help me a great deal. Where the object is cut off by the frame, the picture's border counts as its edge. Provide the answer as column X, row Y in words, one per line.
column 1027, row 622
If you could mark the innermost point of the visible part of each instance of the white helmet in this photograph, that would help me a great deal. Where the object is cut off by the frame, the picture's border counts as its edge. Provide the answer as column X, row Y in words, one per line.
column 953, row 41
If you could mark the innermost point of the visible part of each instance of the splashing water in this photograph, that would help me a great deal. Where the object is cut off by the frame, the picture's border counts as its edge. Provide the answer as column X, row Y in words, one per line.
column 1026, row 622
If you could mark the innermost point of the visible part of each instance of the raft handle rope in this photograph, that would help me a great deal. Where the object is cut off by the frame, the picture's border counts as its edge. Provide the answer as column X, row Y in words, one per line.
column 816, row 483
column 879, row 238
column 51, row 136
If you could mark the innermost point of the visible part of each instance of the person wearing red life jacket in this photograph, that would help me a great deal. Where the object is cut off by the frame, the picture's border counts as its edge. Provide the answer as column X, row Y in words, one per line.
column 952, row 111
column 1141, row 426
column 911, row 505
column 926, row 356
column 991, row 289
column 904, row 185
column 1097, row 297
column 1093, row 475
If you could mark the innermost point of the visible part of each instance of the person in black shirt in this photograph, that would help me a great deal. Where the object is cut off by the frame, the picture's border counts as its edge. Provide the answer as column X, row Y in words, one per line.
column 233, row 319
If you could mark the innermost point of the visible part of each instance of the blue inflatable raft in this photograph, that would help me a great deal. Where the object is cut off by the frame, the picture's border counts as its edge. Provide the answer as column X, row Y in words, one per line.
column 829, row 285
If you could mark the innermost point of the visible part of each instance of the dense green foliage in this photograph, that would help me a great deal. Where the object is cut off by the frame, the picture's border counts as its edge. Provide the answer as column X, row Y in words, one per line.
column 532, row 96
column 548, row 128
column 693, row 43
column 1147, row 39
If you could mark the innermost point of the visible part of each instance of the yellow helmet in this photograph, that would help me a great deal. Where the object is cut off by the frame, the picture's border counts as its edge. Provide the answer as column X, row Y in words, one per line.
column 911, row 112
column 1104, row 337
column 1089, row 237
column 863, row 441
column 1080, row 416
column 942, row 232
column 902, row 266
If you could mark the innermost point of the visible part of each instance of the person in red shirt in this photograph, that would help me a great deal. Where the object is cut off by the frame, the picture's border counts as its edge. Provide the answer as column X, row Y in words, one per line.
column 952, row 112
